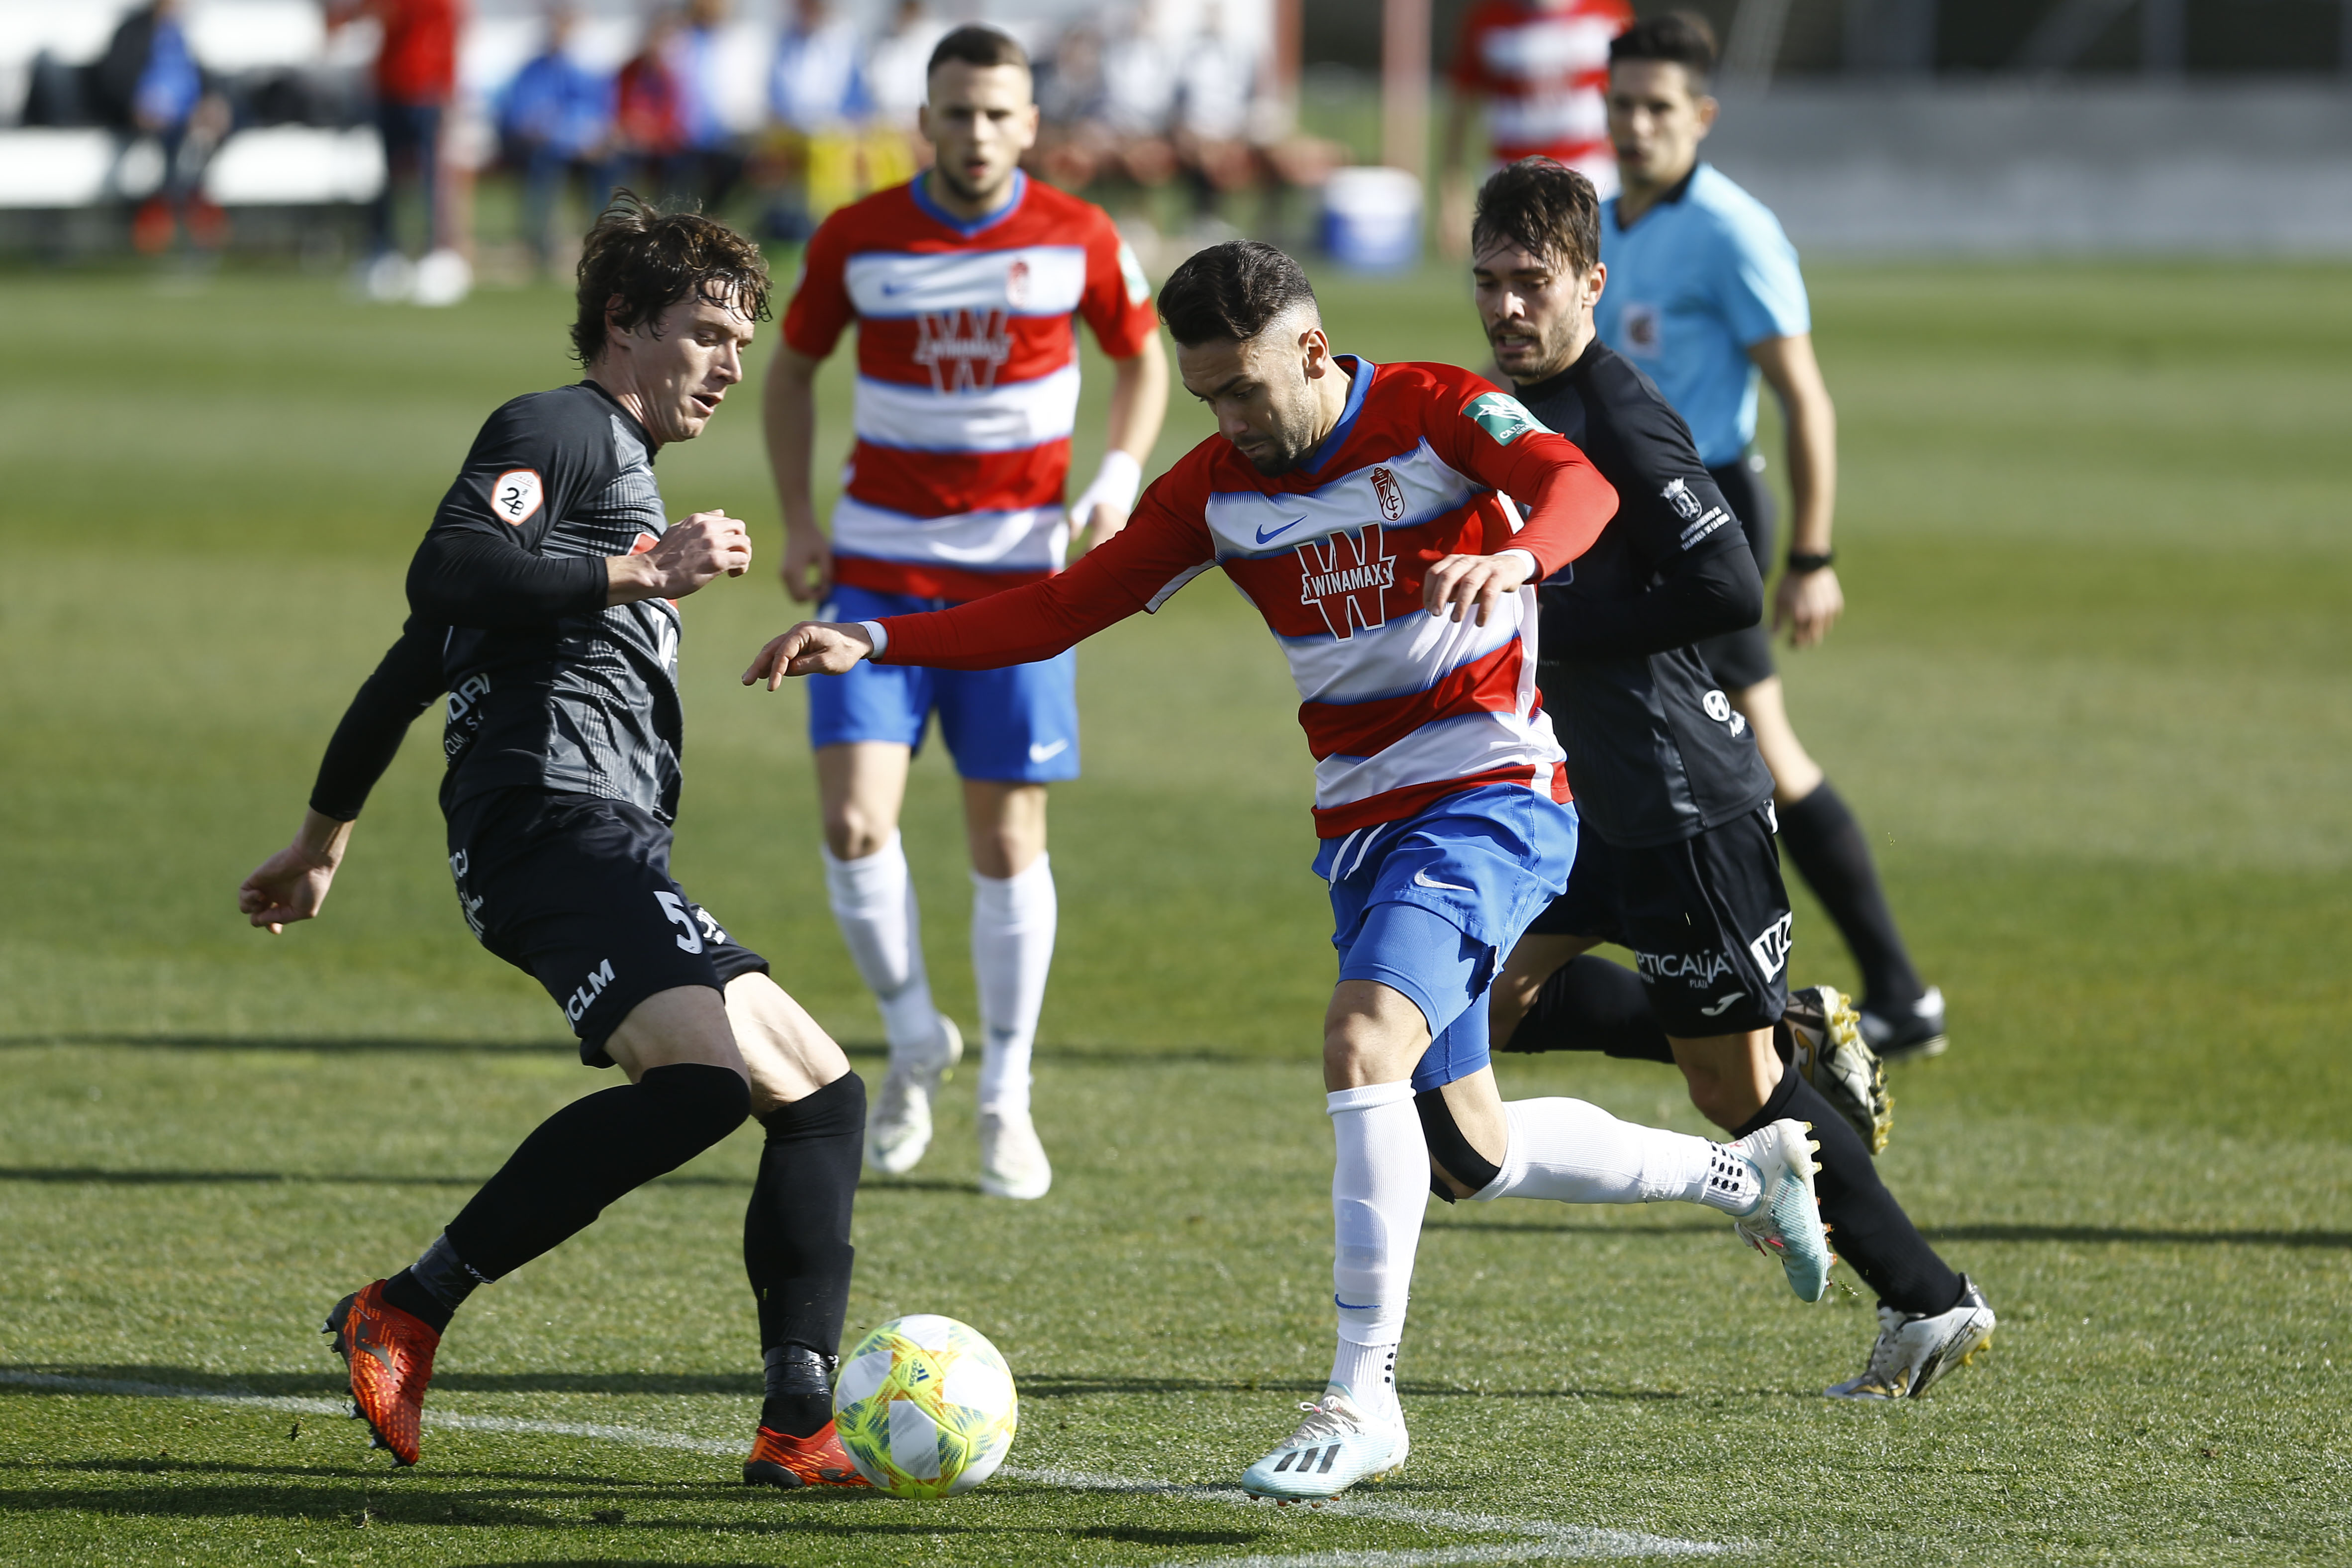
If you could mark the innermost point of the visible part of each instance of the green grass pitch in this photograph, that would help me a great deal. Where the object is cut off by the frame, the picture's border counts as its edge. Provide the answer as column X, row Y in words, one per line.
column 2090, row 701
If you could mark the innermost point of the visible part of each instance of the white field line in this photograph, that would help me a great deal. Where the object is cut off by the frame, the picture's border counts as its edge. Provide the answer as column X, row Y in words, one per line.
column 1536, row 1538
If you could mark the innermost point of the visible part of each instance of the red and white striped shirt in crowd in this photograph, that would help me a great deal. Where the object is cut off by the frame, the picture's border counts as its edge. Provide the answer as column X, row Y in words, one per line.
column 1401, row 708
column 1543, row 70
column 967, row 378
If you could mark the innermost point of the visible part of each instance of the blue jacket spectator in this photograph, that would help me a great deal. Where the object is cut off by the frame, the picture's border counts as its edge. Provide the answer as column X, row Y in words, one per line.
column 558, row 119
column 818, row 82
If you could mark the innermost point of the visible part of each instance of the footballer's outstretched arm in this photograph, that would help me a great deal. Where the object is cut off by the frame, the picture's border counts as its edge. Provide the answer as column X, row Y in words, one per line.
column 291, row 884
column 1133, row 571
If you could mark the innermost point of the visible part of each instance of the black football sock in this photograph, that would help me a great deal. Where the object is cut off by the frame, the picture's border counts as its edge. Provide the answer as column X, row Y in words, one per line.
column 1593, row 1005
column 796, row 1248
column 1867, row 1228
column 1833, row 857
column 434, row 1286
column 590, row 1153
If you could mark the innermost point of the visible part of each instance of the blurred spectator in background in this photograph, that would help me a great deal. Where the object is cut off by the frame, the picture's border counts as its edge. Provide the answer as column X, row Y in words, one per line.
column 148, row 83
column 649, row 122
column 709, row 158
column 416, row 77
column 1139, row 100
column 556, row 121
column 1216, row 83
column 1076, row 141
column 1541, row 68
column 895, row 72
column 817, row 97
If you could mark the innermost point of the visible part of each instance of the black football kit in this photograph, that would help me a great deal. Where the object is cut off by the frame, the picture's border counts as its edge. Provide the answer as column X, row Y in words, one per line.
column 1678, row 858
column 563, row 729
column 562, row 740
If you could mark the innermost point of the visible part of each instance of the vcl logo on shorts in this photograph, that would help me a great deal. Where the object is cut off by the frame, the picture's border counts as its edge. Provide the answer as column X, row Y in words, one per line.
column 1696, row 970
column 579, row 1001
column 1772, row 947
column 1390, row 493
column 1677, row 495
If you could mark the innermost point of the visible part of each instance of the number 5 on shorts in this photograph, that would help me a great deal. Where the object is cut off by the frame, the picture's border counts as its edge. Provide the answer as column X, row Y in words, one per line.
column 675, row 908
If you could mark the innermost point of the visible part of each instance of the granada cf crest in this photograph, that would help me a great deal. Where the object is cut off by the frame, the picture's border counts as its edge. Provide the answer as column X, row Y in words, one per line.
column 1347, row 578
column 1390, row 493
column 1016, row 284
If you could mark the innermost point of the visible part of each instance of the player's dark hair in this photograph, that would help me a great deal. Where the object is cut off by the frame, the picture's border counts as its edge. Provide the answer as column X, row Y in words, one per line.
column 1678, row 37
column 648, row 261
column 1546, row 208
column 977, row 44
column 1230, row 292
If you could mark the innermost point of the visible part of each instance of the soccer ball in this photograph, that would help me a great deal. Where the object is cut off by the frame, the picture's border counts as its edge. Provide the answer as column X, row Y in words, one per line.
column 925, row 1406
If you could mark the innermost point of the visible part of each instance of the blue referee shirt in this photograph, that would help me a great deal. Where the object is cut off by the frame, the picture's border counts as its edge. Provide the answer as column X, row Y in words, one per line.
column 1700, row 277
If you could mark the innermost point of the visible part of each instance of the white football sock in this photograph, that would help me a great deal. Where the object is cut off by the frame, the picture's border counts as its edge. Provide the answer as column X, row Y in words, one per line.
column 1574, row 1152
column 1013, row 922
column 1380, row 1188
column 873, row 901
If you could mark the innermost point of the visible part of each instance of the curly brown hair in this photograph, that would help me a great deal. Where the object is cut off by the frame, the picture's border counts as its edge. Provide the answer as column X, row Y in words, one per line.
column 638, row 261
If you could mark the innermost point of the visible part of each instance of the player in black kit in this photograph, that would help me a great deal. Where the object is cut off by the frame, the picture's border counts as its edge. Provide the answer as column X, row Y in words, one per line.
column 543, row 602
column 1678, row 861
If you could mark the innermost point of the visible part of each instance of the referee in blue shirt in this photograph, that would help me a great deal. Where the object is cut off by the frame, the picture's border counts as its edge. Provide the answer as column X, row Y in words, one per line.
column 1704, row 294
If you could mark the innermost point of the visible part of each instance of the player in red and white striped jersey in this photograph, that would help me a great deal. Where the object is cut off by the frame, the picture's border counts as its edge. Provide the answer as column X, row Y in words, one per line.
column 963, row 285
column 1361, row 507
column 1541, row 68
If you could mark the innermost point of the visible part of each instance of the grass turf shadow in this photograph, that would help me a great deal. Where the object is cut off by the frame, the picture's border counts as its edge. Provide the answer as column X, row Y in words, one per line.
column 369, row 1045
column 2126, row 1236
column 165, row 1381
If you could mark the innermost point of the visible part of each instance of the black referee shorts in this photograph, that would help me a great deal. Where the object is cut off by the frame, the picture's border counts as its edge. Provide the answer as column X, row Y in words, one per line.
column 575, row 890
column 1707, row 920
column 1742, row 658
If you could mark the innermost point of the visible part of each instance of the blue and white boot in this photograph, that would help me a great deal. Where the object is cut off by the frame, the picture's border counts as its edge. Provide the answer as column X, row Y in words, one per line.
column 1786, row 1222
column 1334, row 1448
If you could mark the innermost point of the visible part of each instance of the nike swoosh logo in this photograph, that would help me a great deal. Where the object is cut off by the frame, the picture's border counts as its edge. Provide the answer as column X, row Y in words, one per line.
column 1047, row 753
column 1265, row 535
column 1424, row 880
column 1720, row 1008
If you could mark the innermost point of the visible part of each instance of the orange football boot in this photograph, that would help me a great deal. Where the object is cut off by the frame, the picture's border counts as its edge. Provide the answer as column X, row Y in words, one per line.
column 390, row 1353
column 815, row 1460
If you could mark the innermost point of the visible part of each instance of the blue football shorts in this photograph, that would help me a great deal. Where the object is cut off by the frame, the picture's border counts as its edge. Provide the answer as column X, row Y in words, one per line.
column 1429, row 906
column 1017, row 725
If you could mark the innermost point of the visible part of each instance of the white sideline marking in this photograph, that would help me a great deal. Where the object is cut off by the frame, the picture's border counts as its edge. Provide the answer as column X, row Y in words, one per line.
column 1538, row 1538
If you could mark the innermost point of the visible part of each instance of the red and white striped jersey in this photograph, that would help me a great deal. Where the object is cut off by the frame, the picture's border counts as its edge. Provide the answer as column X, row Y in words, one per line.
column 967, row 378
column 1401, row 708
column 1543, row 70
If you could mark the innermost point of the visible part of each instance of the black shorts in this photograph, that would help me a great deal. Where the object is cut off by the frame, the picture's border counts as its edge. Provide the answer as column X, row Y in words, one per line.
column 575, row 890
column 1741, row 659
column 1707, row 920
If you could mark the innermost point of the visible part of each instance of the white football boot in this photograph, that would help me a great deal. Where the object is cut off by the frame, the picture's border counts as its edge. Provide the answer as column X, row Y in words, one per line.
column 1914, row 1348
column 1831, row 1055
column 1334, row 1448
column 1786, row 1222
column 899, row 1129
column 1012, row 1164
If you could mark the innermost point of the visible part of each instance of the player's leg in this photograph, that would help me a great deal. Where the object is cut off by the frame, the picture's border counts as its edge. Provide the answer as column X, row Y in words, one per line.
column 864, row 727
column 576, row 892
column 686, row 1090
column 1012, row 732
column 1552, row 995
column 1709, row 920
column 796, row 1246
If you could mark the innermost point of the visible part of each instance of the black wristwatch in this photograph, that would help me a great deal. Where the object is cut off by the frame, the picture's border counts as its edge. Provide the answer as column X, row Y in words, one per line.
column 1799, row 564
